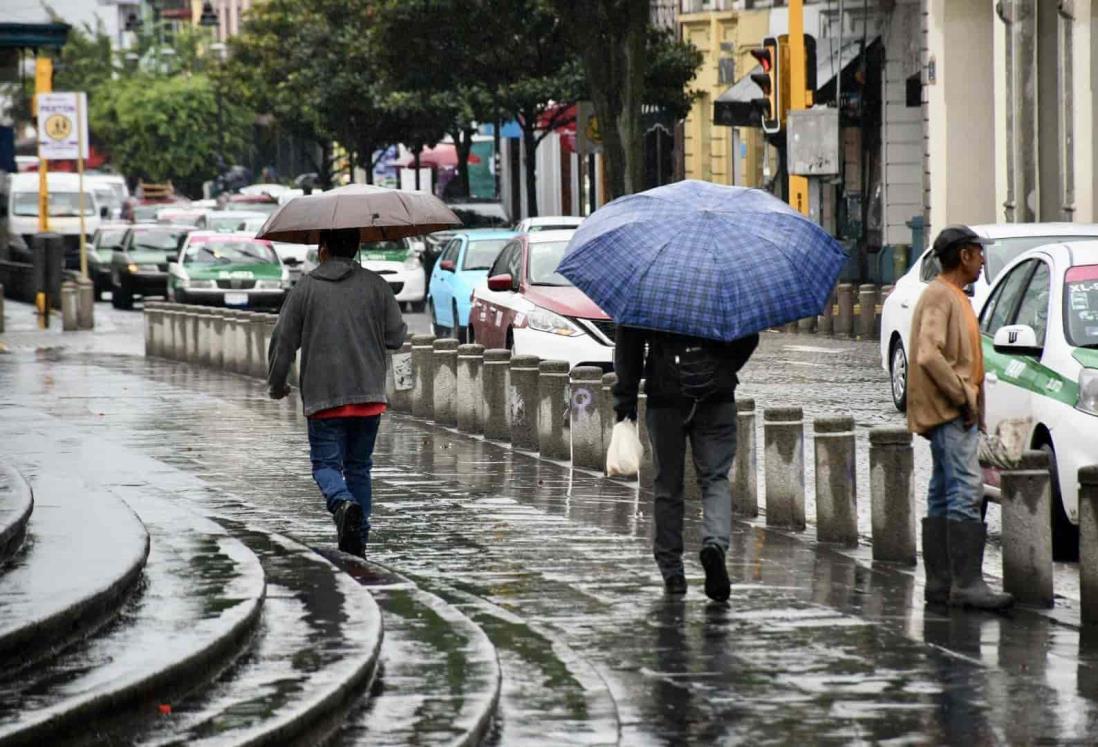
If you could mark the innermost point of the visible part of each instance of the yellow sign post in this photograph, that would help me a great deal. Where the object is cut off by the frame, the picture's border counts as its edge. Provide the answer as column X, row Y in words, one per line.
column 43, row 83
column 81, row 131
column 798, row 98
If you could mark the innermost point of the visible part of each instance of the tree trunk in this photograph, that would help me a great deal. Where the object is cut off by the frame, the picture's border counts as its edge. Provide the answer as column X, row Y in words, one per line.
column 463, row 143
column 529, row 152
column 497, row 157
column 367, row 160
column 415, row 162
column 630, row 125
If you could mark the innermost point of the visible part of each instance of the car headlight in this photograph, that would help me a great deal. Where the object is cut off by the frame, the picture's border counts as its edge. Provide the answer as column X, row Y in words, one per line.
column 544, row 320
column 199, row 284
column 1088, row 391
column 132, row 267
column 412, row 262
column 269, row 284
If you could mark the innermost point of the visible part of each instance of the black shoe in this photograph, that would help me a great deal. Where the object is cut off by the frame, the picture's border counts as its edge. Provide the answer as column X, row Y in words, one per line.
column 966, row 561
column 675, row 585
column 939, row 577
column 717, row 586
column 348, row 520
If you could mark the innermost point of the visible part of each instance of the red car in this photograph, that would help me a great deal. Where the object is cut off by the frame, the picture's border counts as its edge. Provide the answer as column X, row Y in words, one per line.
column 531, row 309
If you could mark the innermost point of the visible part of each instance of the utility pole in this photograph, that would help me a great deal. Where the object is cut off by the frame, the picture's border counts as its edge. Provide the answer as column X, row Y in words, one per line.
column 798, row 185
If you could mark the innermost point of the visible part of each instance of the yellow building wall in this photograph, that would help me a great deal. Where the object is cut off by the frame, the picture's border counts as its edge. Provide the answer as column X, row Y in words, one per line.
column 707, row 148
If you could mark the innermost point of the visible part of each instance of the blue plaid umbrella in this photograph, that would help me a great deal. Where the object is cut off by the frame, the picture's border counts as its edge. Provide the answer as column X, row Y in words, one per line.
column 703, row 260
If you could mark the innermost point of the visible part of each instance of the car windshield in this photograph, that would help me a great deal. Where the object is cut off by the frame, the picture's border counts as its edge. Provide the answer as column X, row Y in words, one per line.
column 110, row 238
column 107, row 196
column 256, row 207
column 158, row 240
column 1081, row 306
column 216, row 222
column 145, row 212
column 229, row 252
column 1001, row 252
column 62, row 204
column 482, row 253
column 544, row 259
column 252, row 225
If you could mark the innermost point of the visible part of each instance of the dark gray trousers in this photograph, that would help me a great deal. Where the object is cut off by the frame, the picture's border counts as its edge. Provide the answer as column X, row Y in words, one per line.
column 712, row 434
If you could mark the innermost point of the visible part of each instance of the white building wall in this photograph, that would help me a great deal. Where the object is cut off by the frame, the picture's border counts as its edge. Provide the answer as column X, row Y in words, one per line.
column 902, row 135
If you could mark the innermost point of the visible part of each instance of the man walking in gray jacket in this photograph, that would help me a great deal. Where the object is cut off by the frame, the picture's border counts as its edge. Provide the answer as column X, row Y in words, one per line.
column 343, row 318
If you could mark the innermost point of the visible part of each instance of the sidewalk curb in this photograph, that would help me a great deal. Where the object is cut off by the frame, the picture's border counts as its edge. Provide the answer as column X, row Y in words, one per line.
column 13, row 533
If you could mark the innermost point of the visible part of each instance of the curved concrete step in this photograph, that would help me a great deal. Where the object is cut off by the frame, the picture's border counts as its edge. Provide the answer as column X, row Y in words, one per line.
column 439, row 675
column 16, row 504
column 316, row 649
column 85, row 553
column 203, row 592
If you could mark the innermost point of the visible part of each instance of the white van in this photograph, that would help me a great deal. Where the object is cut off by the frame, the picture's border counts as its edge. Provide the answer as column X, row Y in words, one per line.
column 19, row 200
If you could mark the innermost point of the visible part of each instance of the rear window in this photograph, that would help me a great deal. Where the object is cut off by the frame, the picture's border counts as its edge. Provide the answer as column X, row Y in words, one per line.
column 158, row 241
column 481, row 254
column 1081, row 306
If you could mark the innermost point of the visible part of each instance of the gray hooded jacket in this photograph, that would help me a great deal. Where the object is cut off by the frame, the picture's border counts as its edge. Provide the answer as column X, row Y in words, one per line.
column 343, row 317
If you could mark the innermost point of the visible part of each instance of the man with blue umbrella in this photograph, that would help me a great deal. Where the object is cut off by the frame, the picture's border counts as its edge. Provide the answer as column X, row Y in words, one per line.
column 691, row 272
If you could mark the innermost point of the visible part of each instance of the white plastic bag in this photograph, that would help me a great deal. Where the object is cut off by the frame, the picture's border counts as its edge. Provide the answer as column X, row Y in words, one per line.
column 1003, row 448
column 625, row 452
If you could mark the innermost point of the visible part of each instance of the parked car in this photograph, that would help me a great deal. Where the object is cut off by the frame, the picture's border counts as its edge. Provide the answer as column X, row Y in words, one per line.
column 19, row 203
column 462, row 266
column 230, row 220
column 234, row 270
column 140, row 265
column 549, row 223
column 399, row 264
column 105, row 240
column 1040, row 339
column 531, row 309
column 1010, row 240
column 258, row 203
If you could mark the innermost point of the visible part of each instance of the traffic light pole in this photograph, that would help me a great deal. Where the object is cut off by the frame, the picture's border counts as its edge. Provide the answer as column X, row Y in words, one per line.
column 798, row 185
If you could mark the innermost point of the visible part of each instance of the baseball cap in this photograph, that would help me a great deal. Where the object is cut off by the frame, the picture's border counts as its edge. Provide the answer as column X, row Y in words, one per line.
column 951, row 235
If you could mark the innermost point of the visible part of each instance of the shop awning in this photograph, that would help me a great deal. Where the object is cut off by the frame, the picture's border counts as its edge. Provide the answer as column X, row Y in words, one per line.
column 733, row 107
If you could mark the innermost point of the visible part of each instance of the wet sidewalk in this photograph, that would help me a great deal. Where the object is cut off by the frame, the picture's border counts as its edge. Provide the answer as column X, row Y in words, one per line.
column 554, row 567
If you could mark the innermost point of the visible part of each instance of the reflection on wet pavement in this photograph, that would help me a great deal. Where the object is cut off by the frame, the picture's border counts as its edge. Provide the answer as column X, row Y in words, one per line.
column 555, row 567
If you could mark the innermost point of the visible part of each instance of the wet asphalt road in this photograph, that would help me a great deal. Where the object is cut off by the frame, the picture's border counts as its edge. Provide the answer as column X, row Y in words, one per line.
column 554, row 565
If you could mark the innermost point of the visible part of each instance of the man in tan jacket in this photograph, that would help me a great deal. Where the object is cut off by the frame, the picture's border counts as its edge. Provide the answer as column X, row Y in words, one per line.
column 945, row 405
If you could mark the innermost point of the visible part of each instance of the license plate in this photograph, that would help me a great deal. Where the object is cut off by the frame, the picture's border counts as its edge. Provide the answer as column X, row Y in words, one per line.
column 236, row 299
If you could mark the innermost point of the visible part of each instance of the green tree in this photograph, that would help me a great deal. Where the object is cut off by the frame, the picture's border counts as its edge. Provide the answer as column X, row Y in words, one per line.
column 671, row 66
column 164, row 128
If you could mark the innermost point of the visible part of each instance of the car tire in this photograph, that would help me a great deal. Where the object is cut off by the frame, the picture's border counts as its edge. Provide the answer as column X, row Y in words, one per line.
column 897, row 374
column 459, row 332
column 121, row 296
column 1065, row 535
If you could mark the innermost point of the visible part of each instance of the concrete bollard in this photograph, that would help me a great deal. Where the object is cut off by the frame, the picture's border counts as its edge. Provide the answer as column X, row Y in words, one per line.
column 166, row 344
column 153, row 315
column 807, row 325
column 1026, row 499
column 523, row 402
column 585, row 419
column 1088, row 544
column 228, row 341
column 836, row 481
column 68, row 307
column 470, row 392
column 240, row 340
column 825, row 322
column 179, row 334
column 783, row 439
column 401, row 398
column 257, row 346
column 205, row 329
column 844, row 311
column 194, row 324
column 218, row 322
column 892, row 496
column 554, row 398
column 85, row 304
column 423, row 390
column 495, row 375
column 606, row 411
column 744, row 478
column 445, row 381
column 867, row 297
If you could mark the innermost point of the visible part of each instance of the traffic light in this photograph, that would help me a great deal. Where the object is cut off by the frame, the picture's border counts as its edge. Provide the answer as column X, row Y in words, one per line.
column 769, row 81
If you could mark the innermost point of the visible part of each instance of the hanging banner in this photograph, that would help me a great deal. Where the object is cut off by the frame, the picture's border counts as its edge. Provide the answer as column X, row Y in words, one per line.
column 61, row 116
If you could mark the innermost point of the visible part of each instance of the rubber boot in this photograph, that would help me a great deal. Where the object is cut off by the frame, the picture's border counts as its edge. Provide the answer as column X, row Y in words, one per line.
column 966, row 561
column 936, row 560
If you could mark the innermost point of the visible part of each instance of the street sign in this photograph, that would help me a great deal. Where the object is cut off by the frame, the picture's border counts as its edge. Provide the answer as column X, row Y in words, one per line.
column 62, row 126
column 813, row 138
column 588, row 137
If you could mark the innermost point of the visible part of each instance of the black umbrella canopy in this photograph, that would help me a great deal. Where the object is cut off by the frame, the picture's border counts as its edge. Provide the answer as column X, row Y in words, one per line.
column 379, row 213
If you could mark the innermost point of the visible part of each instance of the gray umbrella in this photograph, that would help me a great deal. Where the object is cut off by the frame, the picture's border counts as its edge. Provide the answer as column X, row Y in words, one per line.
column 378, row 212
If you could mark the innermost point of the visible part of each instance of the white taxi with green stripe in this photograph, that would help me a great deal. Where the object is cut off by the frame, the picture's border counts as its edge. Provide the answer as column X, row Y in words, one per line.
column 1040, row 340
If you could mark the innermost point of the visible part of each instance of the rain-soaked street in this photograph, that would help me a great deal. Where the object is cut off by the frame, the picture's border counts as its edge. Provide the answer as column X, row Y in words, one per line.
column 494, row 568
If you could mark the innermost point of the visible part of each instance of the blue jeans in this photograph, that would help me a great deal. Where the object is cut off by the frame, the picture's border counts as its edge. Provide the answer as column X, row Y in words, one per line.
column 956, row 485
column 341, row 450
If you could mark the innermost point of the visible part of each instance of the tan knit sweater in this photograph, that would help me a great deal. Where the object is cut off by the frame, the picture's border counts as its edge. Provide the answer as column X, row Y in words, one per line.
column 946, row 363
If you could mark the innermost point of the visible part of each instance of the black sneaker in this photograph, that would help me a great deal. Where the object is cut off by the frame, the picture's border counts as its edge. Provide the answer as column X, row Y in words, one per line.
column 717, row 586
column 675, row 585
column 348, row 521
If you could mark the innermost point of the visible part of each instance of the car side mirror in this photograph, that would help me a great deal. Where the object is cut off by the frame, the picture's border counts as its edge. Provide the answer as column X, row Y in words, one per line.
column 447, row 264
column 501, row 283
column 1017, row 339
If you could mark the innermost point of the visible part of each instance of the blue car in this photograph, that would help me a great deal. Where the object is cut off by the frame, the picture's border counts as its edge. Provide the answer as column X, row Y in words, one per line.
column 461, row 268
